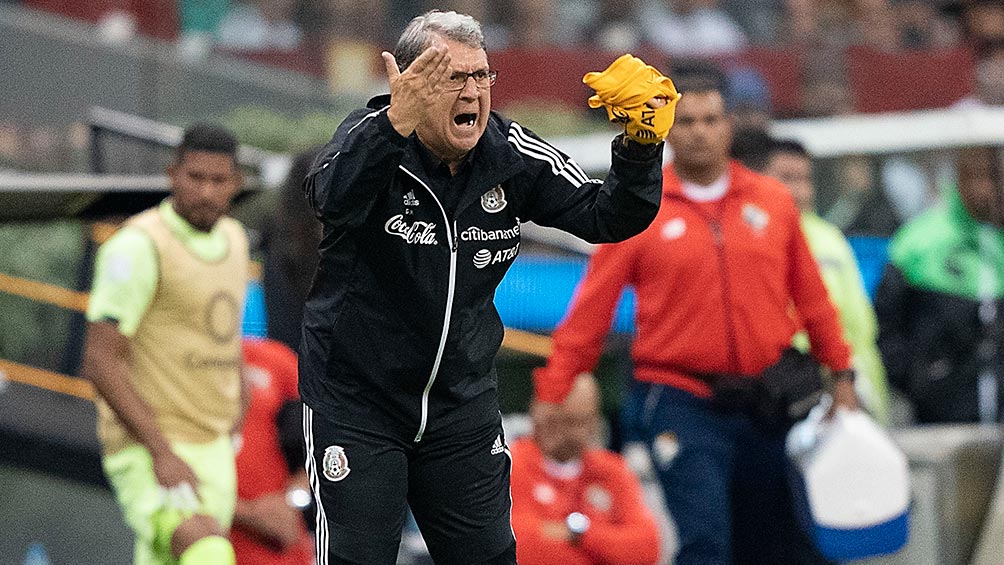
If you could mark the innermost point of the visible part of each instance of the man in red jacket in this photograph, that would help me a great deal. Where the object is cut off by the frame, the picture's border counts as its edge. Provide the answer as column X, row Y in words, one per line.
column 272, row 489
column 573, row 503
column 723, row 278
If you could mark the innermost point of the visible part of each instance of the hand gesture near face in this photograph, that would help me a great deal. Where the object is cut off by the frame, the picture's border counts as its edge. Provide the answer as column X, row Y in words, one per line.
column 414, row 90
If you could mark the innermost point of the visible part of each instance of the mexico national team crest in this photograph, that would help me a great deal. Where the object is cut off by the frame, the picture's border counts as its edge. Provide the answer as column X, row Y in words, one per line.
column 335, row 465
column 493, row 200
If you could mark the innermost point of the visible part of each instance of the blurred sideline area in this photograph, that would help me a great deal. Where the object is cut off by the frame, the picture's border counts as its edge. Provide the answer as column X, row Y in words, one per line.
column 95, row 94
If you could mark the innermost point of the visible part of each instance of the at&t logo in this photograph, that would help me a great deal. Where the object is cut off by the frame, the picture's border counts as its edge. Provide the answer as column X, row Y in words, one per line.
column 484, row 257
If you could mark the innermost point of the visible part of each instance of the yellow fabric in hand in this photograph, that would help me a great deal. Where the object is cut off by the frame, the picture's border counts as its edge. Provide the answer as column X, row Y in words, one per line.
column 625, row 88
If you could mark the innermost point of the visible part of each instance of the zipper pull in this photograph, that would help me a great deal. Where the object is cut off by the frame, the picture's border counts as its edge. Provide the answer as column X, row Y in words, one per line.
column 456, row 237
column 716, row 231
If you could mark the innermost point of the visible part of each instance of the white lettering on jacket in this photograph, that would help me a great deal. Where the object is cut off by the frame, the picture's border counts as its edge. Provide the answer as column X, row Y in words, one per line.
column 417, row 233
column 474, row 233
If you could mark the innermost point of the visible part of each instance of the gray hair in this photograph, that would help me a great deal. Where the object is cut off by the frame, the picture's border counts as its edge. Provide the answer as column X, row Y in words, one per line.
column 418, row 35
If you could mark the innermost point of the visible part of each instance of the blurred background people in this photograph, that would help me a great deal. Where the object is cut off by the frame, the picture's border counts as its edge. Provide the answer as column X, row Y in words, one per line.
column 163, row 352
column 573, row 502
column 290, row 245
column 790, row 163
column 273, row 495
column 716, row 275
column 690, row 27
column 260, row 25
column 939, row 299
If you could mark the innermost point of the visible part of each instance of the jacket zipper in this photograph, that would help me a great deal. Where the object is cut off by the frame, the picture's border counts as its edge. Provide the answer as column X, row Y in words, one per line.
column 454, row 244
column 716, row 232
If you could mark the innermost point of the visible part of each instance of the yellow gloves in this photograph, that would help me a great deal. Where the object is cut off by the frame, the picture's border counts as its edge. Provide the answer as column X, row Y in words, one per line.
column 625, row 88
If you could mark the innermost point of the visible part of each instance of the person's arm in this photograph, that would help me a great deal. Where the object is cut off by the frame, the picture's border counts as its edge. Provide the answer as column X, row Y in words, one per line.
column 632, row 537
column 273, row 518
column 541, row 541
column 542, row 545
column 578, row 341
column 822, row 323
column 861, row 330
column 563, row 197
column 106, row 364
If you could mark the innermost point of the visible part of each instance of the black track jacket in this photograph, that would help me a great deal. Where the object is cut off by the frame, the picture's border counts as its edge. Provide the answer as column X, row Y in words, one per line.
column 400, row 330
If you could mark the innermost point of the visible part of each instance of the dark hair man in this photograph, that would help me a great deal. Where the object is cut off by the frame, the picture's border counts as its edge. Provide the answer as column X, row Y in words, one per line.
column 939, row 299
column 163, row 350
column 724, row 279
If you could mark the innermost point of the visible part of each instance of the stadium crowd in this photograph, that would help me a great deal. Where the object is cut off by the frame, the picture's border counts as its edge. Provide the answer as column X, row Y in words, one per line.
column 829, row 39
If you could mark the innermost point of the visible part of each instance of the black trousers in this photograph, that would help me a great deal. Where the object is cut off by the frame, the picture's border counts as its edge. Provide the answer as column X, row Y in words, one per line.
column 457, row 486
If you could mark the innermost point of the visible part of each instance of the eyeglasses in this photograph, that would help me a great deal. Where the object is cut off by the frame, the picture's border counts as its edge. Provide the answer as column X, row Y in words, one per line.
column 458, row 80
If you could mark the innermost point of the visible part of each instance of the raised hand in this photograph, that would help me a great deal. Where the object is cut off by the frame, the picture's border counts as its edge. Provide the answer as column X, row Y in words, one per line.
column 637, row 96
column 414, row 90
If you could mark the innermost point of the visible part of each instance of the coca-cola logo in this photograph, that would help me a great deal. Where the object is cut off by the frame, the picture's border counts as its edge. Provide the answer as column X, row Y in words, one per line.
column 417, row 233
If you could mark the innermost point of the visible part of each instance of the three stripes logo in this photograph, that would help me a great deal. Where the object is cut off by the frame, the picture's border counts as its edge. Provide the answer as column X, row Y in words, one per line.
column 498, row 446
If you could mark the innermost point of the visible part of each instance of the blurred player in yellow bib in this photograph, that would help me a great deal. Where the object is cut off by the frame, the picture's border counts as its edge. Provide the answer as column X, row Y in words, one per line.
column 163, row 351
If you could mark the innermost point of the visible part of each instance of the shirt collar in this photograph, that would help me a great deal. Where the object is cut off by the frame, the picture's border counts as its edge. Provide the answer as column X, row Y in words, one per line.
column 184, row 230
column 433, row 164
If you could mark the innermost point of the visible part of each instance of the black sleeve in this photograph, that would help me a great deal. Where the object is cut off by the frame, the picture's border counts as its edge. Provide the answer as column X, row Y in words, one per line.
column 563, row 197
column 350, row 172
column 892, row 303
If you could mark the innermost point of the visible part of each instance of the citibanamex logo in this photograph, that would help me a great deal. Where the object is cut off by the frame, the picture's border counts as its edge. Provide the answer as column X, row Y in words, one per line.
column 417, row 233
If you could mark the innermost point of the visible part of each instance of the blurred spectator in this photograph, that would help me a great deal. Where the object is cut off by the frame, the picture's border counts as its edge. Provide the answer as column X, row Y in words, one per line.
column 988, row 86
column 826, row 91
column 290, row 255
column 748, row 98
column 349, row 33
column 818, row 23
column 939, row 300
column 863, row 205
column 760, row 19
column 615, row 29
column 199, row 20
column 572, row 502
column 690, row 27
column 259, row 25
column 875, row 25
column 535, row 23
column 923, row 25
column 716, row 275
column 790, row 163
column 982, row 20
column 272, row 488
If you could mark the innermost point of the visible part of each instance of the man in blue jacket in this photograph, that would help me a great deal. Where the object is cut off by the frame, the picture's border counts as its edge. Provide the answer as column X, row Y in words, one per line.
column 421, row 196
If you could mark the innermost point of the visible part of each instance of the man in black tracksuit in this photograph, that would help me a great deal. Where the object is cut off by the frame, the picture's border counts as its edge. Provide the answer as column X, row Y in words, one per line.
column 421, row 196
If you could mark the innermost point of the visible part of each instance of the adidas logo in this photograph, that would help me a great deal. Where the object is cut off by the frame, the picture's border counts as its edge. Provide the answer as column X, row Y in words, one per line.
column 410, row 200
column 498, row 446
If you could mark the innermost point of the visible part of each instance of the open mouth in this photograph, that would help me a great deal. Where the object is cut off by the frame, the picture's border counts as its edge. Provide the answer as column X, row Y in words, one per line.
column 467, row 120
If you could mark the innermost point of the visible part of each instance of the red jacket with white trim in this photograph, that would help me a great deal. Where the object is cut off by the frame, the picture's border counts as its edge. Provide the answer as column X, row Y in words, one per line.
column 622, row 529
column 721, row 288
